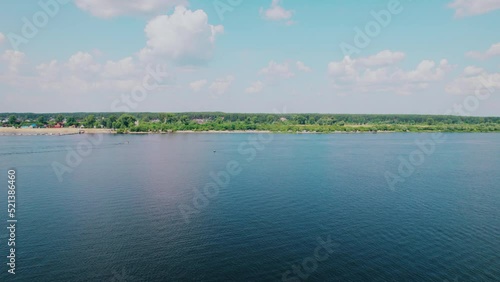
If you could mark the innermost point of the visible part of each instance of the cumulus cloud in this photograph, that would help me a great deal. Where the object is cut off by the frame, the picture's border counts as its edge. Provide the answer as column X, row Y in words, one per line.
column 384, row 58
column 380, row 73
column 493, row 51
column 349, row 66
column 83, row 62
column 472, row 70
column 221, row 85
column 302, row 67
column 120, row 68
column 256, row 87
column 465, row 8
column 2, row 38
column 196, row 86
column 276, row 12
column 113, row 8
column 80, row 73
column 474, row 79
column 185, row 37
column 13, row 60
column 275, row 70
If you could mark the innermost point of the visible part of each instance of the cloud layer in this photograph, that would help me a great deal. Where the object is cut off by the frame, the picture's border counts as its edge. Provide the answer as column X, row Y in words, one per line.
column 114, row 8
column 493, row 51
column 474, row 79
column 380, row 73
column 466, row 8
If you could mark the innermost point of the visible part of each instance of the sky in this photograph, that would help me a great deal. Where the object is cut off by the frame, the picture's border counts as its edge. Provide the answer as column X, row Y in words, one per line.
column 251, row 56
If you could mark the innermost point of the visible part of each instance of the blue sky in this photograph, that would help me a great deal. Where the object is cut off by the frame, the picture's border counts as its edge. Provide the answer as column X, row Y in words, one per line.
column 423, row 57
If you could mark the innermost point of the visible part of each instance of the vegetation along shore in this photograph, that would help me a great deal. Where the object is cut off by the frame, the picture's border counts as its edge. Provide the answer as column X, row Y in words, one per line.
column 78, row 123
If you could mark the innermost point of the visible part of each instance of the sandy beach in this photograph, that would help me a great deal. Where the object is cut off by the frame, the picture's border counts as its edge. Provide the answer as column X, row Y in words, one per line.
column 9, row 131
column 52, row 131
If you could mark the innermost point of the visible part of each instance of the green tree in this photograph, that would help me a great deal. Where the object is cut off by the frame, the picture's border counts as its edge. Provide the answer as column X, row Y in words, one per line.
column 90, row 121
column 41, row 120
column 70, row 121
column 59, row 118
column 12, row 120
column 126, row 121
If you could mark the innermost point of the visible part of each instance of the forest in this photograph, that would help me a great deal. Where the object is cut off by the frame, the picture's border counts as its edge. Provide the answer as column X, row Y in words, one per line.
column 218, row 121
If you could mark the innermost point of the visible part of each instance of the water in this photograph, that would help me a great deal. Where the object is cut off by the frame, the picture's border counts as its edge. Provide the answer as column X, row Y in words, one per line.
column 116, row 216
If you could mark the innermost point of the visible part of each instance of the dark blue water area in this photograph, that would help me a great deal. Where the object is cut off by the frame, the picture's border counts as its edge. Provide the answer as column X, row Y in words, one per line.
column 249, row 207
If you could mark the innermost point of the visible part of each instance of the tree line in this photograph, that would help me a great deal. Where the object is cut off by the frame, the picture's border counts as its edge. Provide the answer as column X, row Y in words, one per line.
column 204, row 121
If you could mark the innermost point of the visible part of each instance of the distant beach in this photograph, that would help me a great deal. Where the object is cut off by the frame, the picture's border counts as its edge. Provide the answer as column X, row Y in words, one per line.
column 52, row 131
column 10, row 131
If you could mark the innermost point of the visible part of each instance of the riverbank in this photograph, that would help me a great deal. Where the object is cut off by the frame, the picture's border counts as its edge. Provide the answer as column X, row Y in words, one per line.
column 9, row 131
column 53, row 131
column 6, row 131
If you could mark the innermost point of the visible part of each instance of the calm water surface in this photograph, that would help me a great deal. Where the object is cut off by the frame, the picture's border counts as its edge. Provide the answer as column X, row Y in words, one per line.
column 116, row 216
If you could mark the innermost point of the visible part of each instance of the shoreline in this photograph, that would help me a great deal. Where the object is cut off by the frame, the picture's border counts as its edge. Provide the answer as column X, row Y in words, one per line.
column 9, row 131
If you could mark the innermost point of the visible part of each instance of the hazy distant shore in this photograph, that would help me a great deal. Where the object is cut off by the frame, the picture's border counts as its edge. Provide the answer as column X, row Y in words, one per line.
column 52, row 131
column 9, row 131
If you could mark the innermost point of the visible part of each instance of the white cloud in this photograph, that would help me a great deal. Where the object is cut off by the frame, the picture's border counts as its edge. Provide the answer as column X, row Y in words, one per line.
column 256, row 87
column 119, row 68
column 472, row 70
column 275, row 71
column 14, row 60
column 302, row 67
column 196, row 86
column 81, row 73
column 465, row 8
column 185, row 37
column 493, row 51
column 380, row 73
column 349, row 66
column 473, row 79
column 384, row 58
column 276, row 13
column 113, row 8
column 2, row 38
column 221, row 85
column 83, row 62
